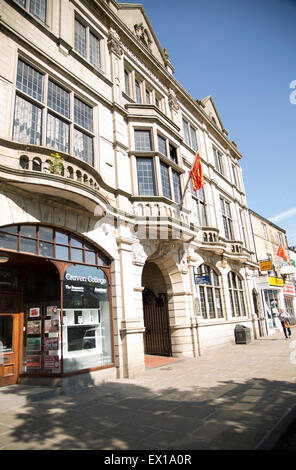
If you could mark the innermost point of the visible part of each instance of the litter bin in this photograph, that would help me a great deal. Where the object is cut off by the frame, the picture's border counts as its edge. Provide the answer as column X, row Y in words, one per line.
column 242, row 334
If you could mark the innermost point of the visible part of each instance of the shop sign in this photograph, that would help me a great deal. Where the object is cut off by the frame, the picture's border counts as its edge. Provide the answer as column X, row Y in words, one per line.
column 89, row 279
column 289, row 290
column 266, row 265
column 205, row 279
column 275, row 281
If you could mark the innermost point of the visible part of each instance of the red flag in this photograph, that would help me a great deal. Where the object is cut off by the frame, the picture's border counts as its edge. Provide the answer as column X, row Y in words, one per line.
column 196, row 174
column 282, row 254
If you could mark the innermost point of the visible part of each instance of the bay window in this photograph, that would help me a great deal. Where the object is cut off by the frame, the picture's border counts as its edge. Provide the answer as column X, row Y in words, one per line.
column 146, row 181
column 47, row 119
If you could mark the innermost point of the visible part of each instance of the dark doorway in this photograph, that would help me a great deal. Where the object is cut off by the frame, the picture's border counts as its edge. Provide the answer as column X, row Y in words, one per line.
column 157, row 339
column 157, row 332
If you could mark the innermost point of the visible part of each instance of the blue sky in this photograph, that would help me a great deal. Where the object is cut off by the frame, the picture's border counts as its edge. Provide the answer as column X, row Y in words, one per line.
column 243, row 53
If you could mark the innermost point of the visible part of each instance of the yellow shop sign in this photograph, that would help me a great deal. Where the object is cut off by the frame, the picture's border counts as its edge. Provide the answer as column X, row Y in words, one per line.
column 275, row 281
column 266, row 265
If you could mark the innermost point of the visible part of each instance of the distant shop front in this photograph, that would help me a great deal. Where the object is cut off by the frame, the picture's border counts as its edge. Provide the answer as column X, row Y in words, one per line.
column 271, row 290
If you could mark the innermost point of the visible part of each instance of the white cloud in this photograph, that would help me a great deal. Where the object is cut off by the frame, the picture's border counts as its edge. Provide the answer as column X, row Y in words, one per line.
column 284, row 215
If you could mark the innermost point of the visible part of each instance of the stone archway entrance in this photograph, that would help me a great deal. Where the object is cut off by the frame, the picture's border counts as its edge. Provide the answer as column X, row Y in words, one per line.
column 157, row 339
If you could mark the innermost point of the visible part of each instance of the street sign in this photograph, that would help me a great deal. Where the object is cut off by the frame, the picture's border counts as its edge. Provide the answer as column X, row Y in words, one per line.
column 202, row 279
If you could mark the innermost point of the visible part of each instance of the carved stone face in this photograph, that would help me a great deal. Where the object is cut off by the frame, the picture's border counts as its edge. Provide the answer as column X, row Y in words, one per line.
column 143, row 34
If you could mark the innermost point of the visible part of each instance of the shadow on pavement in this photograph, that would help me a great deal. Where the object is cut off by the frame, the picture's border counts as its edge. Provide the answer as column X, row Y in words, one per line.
column 123, row 416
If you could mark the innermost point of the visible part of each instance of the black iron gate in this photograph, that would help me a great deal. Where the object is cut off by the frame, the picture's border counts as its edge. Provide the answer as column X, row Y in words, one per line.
column 156, row 321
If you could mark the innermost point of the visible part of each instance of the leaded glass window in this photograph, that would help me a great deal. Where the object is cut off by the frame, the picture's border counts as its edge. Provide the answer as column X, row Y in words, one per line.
column 143, row 140
column 236, row 293
column 208, row 284
column 27, row 122
column 146, row 185
column 165, row 180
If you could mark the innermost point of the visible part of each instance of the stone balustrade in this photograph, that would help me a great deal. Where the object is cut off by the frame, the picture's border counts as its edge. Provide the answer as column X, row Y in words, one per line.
column 41, row 163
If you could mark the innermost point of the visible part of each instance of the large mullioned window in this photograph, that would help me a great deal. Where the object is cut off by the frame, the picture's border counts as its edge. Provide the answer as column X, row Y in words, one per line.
column 208, row 283
column 236, row 292
column 55, row 118
column 87, row 44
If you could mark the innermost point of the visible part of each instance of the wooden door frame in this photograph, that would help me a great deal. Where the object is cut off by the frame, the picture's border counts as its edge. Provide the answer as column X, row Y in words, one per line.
column 17, row 349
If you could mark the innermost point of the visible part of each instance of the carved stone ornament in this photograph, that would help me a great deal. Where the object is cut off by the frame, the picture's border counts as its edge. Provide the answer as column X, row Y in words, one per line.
column 183, row 261
column 143, row 35
column 173, row 102
column 163, row 249
column 222, row 264
column 114, row 43
column 138, row 255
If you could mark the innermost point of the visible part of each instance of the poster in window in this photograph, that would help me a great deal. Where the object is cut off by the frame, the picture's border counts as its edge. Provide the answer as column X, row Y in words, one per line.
column 51, row 344
column 34, row 327
column 51, row 326
column 51, row 310
column 34, row 361
column 34, row 312
column 51, row 362
column 78, row 317
column 33, row 344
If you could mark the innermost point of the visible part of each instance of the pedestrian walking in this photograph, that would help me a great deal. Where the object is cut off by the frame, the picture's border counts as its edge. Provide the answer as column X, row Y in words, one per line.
column 285, row 321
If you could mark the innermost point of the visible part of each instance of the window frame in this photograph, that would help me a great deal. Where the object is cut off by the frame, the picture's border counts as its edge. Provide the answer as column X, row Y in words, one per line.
column 199, row 199
column 49, row 111
column 89, row 31
column 264, row 230
column 163, row 143
column 208, row 293
column 27, row 8
column 236, row 294
column 227, row 219
column 218, row 161
column 68, row 241
column 188, row 131
column 145, row 192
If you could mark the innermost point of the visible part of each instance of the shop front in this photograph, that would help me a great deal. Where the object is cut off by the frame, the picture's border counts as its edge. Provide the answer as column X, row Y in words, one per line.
column 289, row 296
column 271, row 292
column 55, row 307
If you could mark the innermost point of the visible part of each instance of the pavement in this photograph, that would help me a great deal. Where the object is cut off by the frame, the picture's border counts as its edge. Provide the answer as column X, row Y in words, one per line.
column 236, row 397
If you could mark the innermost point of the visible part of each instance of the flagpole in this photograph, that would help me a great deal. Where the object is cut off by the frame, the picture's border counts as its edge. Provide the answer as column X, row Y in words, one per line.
column 185, row 189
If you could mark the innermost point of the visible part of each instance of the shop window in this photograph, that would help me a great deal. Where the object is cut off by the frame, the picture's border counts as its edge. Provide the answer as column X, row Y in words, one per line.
column 86, row 319
column 42, row 339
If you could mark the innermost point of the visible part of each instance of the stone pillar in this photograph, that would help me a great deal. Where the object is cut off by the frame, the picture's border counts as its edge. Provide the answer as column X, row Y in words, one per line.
column 131, row 326
column 224, row 269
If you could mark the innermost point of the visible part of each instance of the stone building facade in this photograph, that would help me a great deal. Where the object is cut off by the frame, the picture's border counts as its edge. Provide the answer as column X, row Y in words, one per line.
column 103, row 260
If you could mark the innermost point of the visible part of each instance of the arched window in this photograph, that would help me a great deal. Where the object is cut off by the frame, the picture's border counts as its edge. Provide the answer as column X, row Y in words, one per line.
column 51, row 243
column 208, row 283
column 236, row 293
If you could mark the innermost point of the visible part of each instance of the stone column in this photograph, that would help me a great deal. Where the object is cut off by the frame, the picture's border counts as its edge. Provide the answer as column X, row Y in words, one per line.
column 131, row 326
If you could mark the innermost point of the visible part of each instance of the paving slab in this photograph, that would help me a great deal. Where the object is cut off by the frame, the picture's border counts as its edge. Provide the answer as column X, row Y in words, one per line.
column 237, row 397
